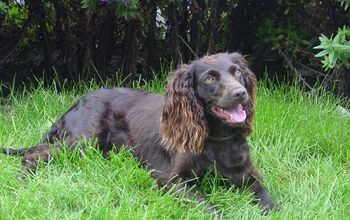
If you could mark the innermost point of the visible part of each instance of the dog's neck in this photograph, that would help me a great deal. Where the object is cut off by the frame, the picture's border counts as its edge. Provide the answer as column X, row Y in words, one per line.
column 220, row 131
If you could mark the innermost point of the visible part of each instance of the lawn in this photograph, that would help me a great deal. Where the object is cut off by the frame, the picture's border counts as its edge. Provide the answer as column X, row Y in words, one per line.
column 300, row 144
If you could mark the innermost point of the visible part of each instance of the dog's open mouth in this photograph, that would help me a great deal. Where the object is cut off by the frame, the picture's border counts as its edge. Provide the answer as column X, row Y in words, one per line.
column 233, row 115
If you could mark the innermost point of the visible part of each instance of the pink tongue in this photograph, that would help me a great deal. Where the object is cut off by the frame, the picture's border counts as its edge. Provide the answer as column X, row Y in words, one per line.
column 237, row 114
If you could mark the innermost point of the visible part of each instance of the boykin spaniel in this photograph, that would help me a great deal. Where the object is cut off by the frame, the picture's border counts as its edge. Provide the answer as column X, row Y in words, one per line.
column 201, row 122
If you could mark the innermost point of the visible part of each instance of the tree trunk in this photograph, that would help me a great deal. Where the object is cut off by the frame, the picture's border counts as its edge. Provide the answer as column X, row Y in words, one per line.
column 213, row 26
column 106, row 41
column 88, row 43
column 197, row 12
column 183, row 15
column 130, row 49
column 151, row 44
column 64, row 36
column 37, row 12
column 174, row 46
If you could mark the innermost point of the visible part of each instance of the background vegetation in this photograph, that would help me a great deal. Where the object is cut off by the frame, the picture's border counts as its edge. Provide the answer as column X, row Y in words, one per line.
column 84, row 39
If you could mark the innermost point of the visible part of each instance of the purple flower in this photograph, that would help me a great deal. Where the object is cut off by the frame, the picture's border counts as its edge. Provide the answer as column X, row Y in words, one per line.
column 104, row 1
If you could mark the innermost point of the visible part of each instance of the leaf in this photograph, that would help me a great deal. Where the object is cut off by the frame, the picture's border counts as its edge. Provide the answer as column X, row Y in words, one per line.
column 344, row 3
column 305, row 42
column 319, row 47
column 342, row 48
column 324, row 38
column 344, row 59
column 331, row 57
column 322, row 53
column 337, row 37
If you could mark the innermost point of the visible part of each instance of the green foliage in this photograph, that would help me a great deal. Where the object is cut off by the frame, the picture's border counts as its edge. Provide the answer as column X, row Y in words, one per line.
column 123, row 8
column 344, row 3
column 16, row 15
column 335, row 51
column 3, row 7
column 90, row 4
column 15, row 19
column 127, row 10
column 268, row 32
column 282, row 35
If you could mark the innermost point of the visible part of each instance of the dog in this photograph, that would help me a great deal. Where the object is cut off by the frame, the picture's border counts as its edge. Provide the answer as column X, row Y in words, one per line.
column 201, row 122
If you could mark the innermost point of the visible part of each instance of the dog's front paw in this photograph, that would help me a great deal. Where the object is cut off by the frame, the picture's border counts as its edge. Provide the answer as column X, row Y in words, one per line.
column 269, row 206
column 215, row 212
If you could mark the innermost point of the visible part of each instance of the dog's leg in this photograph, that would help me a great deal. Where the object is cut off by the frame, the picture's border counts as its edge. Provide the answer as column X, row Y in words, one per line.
column 187, row 188
column 41, row 152
column 250, row 178
column 182, row 180
column 262, row 196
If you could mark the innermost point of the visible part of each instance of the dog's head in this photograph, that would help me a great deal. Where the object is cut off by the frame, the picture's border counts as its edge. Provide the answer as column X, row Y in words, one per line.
column 221, row 85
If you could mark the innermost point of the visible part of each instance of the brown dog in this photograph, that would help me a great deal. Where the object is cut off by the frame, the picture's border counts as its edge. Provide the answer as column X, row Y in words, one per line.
column 201, row 122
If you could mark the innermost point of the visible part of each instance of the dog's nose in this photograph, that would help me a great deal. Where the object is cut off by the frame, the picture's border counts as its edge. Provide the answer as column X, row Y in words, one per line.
column 239, row 93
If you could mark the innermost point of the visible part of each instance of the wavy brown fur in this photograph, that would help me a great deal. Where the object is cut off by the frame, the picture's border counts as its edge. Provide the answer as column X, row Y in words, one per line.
column 183, row 126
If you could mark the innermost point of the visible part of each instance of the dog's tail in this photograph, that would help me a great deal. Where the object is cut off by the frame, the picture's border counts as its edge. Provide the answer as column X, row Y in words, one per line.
column 15, row 151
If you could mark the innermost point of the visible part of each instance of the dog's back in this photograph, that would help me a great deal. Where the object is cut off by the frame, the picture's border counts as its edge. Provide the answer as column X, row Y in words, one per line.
column 114, row 118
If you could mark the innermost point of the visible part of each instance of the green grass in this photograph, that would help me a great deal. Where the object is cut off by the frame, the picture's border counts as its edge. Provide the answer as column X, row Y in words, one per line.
column 300, row 144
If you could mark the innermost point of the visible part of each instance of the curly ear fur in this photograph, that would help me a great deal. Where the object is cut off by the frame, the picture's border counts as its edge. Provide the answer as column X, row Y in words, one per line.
column 251, row 86
column 183, row 126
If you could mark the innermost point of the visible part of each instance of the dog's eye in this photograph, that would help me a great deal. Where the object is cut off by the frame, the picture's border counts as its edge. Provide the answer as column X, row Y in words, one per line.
column 209, row 79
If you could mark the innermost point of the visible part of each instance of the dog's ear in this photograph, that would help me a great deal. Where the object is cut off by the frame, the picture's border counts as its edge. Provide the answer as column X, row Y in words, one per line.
column 251, row 86
column 183, row 126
